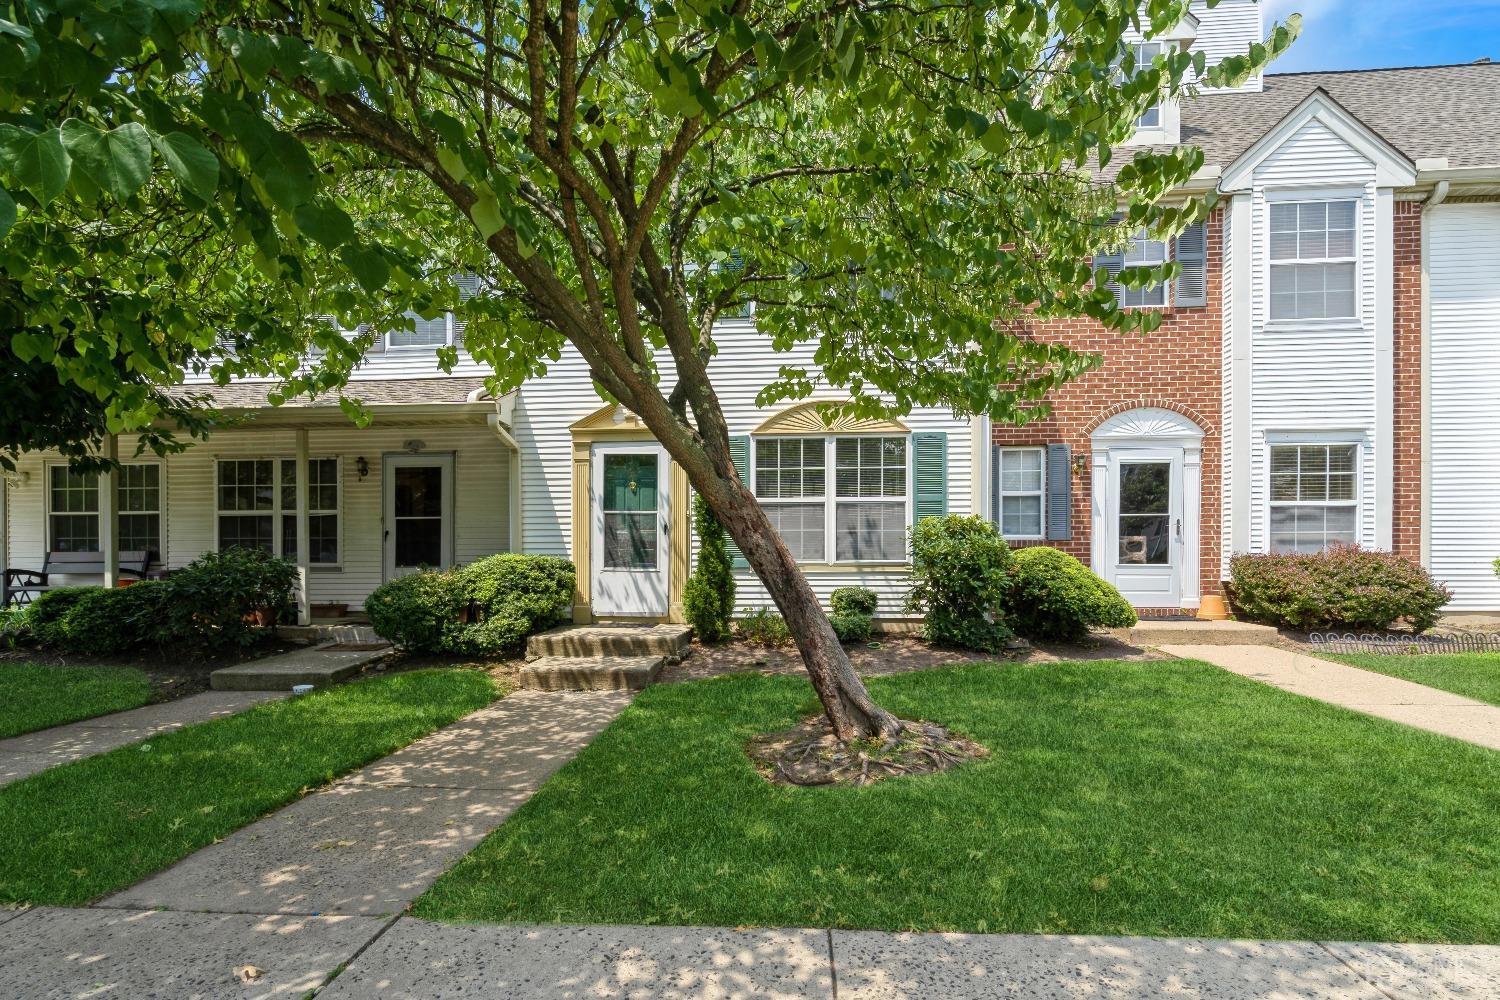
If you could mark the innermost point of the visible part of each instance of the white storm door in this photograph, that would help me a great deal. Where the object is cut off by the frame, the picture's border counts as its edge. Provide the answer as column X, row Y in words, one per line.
column 418, row 513
column 628, row 546
column 1144, row 519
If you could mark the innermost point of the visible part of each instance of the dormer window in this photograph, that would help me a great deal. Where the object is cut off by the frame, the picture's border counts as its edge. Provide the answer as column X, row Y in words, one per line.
column 1145, row 53
column 435, row 332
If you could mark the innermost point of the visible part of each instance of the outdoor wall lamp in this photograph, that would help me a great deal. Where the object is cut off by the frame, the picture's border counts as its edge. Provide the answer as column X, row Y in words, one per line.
column 361, row 466
column 1080, row 464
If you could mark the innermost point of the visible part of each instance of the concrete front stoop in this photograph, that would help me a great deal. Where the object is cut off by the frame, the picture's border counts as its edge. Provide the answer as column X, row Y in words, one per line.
column 1149, row 632
column 602, row 657
column 319, row 666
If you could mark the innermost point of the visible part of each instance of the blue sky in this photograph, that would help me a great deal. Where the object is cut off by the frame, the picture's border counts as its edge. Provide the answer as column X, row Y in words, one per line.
column 1368, row 34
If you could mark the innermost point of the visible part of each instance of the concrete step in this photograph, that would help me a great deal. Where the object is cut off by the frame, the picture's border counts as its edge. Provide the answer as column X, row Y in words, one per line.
column 1176, row 631
column 611, row 640
column 319, row 666
column 591, row 673
column 320, row 632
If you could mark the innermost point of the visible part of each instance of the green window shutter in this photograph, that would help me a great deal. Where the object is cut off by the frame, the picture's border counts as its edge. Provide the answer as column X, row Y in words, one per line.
column 739, row 454
column 929, row 455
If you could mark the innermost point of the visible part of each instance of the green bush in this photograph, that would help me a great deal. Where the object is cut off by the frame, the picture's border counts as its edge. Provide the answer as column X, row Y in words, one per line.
column 103, row 622
column 488, row 606
column 1055, row 597
column 708, row 595
column 960, row 576
column 419, row 612
column 45, row 614
column 853, row 617
column 215, row 595
column 763, row 627
column 1343, row 586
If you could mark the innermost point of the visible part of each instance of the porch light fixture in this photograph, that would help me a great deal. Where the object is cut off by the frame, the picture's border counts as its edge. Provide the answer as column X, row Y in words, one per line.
column 1080, row 464
column 361, row 466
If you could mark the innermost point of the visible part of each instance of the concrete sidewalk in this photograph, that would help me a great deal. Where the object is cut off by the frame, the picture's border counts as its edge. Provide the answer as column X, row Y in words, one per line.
column 1361, row 690
column 59, row 953
column 21, row 756
column 374, row 841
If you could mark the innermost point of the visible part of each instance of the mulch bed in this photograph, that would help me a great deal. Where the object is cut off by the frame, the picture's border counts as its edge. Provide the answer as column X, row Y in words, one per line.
column 809, row 754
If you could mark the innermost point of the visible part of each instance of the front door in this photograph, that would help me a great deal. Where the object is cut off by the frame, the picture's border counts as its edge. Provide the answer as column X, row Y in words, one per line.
column 418, row 513
column 1145, row 521
column 628, row 503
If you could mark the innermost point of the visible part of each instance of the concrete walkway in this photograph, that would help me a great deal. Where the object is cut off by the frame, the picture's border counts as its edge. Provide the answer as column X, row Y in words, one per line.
column 57, row 953
column 1361, row 690
column 27, row 754
column 375, row 840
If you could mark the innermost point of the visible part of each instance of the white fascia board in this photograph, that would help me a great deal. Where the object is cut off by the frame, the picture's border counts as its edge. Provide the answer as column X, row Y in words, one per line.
column 1392, row 168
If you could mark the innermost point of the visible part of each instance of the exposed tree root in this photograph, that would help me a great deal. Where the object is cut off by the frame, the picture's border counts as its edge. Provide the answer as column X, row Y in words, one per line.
column 809, row 754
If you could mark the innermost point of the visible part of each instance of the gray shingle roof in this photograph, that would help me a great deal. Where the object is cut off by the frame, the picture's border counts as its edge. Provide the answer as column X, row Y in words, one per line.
column 383, row 392
column 1423, row 111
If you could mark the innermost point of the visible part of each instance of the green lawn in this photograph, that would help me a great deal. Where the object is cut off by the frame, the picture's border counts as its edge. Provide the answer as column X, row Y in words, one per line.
column 1163, row 797
column 81, row 830
column 35, row 697
column 1473, row 675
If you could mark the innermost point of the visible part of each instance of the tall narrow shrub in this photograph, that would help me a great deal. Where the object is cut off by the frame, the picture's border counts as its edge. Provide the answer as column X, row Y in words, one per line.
column 708, row 595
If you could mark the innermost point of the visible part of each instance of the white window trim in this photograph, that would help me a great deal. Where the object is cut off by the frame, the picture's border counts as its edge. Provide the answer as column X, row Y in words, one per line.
column 1282, row 439
column 1168, row 288
column 1002, row 493
column 103, row 479
column 448, row 323
column 277, row 512
column 1313, row 196
column 831, row 499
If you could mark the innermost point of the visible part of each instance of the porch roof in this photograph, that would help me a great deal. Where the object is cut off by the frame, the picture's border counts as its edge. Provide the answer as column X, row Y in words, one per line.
column 441, row 391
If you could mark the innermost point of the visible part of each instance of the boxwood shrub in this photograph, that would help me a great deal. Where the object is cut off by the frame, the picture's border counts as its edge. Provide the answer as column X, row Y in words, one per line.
column 488, row 606
column 1342, row 587
column 960, row 573
column 853, row 617
column 48, row 610
column 1054, row 597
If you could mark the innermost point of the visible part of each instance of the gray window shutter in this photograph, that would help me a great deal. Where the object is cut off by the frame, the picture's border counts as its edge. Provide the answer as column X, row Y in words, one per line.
column 1113, row 263
column 739, row 454
column 1059, row 493
column 929, row 463
column 995, row 461
column 378, row 346
column 468, row 287
column 1192, row 255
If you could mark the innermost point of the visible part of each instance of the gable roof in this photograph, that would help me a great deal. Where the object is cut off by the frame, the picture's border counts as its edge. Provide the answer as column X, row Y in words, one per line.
column 1422, row 111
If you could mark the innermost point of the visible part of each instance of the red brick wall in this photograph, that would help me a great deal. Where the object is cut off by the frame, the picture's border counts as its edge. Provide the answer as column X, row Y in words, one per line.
column 1177, row 367
column 1406, row 536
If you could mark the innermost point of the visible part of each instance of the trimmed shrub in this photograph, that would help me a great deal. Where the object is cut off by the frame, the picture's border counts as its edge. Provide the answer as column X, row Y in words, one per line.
column 853, row 617
column 485, row 607
column 45, row 614
column 1343, row 586
column 708, row 595
column 419, row 612
column 215, row 596
column 1055, row 597
column 105, row 622
column 960, row 576
column 763, row 627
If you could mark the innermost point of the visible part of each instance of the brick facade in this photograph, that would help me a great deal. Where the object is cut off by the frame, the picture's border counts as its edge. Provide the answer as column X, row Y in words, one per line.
column 1177, row 367
column 1406, row 301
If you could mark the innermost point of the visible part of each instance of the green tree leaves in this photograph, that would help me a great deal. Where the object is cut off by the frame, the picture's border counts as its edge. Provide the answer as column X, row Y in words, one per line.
column 194, row 166
column 37, row 160
column 117, row 161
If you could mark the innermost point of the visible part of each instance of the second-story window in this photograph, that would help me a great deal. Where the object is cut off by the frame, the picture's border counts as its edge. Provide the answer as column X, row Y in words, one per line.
column 1145, row 52
column 1313, row 260
column 424, row 332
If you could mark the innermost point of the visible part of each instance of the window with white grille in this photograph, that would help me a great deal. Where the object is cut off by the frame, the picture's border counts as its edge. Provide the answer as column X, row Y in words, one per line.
column 1313, row 260
column 1314, row 496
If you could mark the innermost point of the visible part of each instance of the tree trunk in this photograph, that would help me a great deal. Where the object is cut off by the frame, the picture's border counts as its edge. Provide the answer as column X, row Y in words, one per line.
column 851, row 710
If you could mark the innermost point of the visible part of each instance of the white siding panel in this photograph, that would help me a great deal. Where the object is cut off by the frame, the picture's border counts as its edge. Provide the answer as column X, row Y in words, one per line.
column 1313, row 376
column 1226, row 30
column 744, row 364
column 1464, row 512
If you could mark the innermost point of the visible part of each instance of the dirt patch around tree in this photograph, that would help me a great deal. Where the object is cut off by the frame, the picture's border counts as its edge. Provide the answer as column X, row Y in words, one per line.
column 889, row 654
column 809, row 754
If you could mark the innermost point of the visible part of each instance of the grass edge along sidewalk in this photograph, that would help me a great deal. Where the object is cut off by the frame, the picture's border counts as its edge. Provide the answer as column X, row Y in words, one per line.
column 1469, row 675
column 76, row 832
column 34, row 696
column 1167, row 798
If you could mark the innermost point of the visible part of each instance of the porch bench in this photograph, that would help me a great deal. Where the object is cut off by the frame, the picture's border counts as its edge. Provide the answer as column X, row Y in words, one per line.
column 22, row 585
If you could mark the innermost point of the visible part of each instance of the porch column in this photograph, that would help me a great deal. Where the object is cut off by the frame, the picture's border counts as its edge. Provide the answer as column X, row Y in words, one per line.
column 109, row 512
column 304, row 546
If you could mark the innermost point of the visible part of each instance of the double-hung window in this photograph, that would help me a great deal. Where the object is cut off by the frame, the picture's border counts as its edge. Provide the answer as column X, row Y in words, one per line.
column 1314, row 496
column 870, row 509
column 859, row 514
column 790, row 482
column 1144, row 252
column 1313, row 260
column 1145, row 53
column 1021, row 489
column 73, row 509
column 256, row 501
column 435, row 332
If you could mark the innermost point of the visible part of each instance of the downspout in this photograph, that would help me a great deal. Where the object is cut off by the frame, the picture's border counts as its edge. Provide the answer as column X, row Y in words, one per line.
column 501, row 422
column 1437, row 197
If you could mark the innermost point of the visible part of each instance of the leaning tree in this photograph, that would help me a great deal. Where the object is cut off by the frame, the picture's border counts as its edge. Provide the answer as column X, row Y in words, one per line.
column 901, row 184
